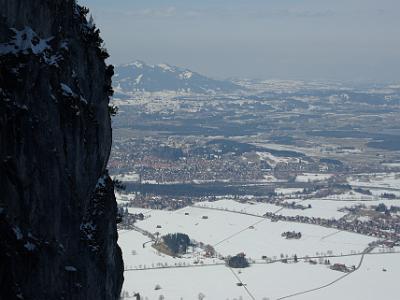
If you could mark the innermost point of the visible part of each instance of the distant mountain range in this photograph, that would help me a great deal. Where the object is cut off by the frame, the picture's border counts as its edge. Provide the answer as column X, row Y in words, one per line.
column 141, row 77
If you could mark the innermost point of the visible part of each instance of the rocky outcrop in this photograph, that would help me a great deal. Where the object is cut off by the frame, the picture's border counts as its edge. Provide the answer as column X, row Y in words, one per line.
column 58, row 237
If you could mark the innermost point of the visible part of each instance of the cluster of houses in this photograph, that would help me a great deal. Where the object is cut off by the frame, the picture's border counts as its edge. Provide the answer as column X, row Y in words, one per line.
column 342, row 268
column 150, row 201
column 293, row 205
column 290, row 235
column 192, row 169
column 380, row 228
column 155, row 161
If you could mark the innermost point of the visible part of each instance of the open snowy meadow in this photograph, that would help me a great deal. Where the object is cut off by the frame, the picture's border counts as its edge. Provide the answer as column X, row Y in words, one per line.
column 231, row 228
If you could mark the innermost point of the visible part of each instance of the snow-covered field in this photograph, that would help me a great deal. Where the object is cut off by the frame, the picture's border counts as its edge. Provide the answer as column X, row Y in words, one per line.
column 370, row 282
column 351, row 196
column 272, row 281
column 232, row 232
column 327, row 208
column 310, row 177
column 139, row 254
column 392, row 165
column 288, row 191
column 249, row 207
column 274, row 160
column 379, row 180
column 215, row 282
column 131, row 176
column 331, row 209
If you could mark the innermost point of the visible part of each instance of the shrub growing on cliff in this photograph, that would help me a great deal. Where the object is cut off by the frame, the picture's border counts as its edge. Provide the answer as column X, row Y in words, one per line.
column 119, row 185
column 113, row 110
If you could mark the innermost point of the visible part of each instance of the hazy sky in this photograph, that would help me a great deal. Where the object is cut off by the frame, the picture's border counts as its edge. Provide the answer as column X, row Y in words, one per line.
column 353, row 40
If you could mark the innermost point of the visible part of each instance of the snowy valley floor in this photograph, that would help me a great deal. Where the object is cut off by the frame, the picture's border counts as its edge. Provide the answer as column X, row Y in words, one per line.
column 243, row 229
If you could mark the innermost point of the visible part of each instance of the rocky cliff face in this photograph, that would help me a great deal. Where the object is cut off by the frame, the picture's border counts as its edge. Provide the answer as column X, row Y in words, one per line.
column 58, row 237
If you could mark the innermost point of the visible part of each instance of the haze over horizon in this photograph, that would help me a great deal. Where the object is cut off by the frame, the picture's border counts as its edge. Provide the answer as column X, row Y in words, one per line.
column 349, row 40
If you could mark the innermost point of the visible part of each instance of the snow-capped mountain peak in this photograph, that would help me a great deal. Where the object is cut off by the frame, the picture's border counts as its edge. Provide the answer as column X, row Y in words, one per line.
column 137, row 63
column 166, row 68
column 186, row 75
column 139, row 76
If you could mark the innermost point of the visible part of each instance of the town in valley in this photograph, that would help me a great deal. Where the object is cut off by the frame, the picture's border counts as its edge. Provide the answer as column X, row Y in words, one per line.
column 300, row 179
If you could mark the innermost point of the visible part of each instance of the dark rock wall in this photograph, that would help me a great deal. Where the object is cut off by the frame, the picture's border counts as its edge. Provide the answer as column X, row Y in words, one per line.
column 58, row 237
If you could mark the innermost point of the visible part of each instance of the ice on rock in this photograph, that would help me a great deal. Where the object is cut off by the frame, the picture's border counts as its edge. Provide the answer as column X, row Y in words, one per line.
column 67, row 91
column 23, row 41
column 18, row 233
column 30, row 246
column 101, row 183
column 70, row 269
